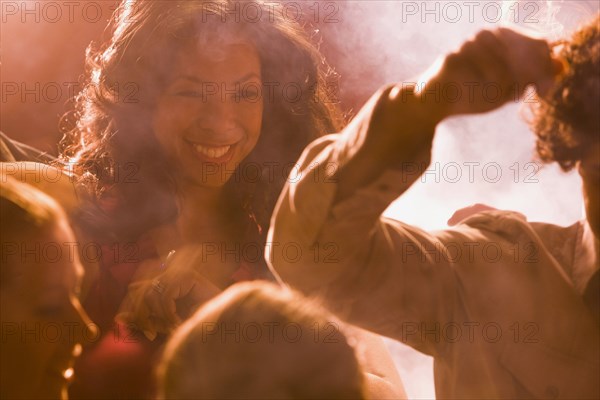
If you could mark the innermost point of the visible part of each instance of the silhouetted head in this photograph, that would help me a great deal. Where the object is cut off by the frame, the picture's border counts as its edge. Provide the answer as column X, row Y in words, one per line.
column 42, row 320
column 258, row 340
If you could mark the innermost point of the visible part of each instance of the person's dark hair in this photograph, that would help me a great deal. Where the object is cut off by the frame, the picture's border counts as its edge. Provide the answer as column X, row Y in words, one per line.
column 108, row 139
column 567, row 120
column 259, row 340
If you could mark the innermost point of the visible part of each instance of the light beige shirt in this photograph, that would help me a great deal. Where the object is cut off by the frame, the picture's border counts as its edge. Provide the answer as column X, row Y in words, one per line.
column 495, row 300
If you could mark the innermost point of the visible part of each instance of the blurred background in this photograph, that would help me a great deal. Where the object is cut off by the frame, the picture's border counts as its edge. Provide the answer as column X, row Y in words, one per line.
column 485, row 159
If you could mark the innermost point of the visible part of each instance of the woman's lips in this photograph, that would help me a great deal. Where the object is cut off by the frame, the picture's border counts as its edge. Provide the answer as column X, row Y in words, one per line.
column 211, row 153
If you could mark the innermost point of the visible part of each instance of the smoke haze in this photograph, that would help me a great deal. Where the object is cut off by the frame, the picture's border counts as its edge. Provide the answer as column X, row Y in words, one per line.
column 483, row 159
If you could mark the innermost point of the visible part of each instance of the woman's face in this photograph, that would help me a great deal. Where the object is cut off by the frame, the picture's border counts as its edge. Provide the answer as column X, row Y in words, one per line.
column 43, row 323
column 209, row 117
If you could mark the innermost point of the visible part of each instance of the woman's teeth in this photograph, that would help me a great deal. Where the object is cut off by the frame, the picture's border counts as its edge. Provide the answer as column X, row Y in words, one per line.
column 212, row 152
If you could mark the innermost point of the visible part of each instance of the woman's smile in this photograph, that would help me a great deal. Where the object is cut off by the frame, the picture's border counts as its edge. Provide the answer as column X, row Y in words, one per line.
column 212, row 153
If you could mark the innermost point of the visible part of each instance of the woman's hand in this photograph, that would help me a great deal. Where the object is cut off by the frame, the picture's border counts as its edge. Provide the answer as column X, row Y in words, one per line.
column 487, row 72
column 164, row 297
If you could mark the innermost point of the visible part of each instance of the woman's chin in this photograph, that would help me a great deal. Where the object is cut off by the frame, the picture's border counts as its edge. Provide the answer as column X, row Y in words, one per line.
column 217, row 181
column 56, row 388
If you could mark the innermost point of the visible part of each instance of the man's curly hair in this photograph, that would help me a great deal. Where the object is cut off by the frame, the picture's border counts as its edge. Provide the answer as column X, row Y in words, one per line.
column 567, row 120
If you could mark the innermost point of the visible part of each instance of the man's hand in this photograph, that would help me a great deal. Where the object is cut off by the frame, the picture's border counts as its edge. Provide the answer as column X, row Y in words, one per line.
column 396, row 127
column 487, row 72
column 466, row 212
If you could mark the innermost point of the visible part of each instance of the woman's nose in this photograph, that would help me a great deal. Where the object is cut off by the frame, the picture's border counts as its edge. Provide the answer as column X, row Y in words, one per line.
column 87, row 331
column 219, row 119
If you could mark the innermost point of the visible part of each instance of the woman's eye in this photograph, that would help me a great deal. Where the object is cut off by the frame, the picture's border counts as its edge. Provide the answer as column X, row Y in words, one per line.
column 50, row 311
column 249, row 94
column 189, row 93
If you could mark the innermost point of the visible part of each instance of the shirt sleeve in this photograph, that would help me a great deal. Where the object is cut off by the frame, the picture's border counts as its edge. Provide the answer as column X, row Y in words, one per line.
column 373, row 271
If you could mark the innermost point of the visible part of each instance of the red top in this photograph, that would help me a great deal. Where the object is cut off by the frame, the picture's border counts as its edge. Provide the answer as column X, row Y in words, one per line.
column 121, row 364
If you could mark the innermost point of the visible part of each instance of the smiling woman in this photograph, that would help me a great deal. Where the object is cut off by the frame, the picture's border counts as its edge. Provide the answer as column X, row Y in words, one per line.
column 222, row 108
column 170, row 77
column 199, row 123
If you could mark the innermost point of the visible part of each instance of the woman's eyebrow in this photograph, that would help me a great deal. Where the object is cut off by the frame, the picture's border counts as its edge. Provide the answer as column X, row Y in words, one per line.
column 247, row 77
column 187, row 78
column 198, row 80
column 52, row 292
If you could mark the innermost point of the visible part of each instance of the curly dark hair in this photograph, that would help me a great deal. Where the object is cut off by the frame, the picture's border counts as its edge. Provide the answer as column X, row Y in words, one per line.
column 107, row 130
column 567, row 120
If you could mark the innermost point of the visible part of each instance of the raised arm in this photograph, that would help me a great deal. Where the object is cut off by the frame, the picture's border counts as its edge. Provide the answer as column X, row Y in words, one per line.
column 396, row 128
column 328, row 237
